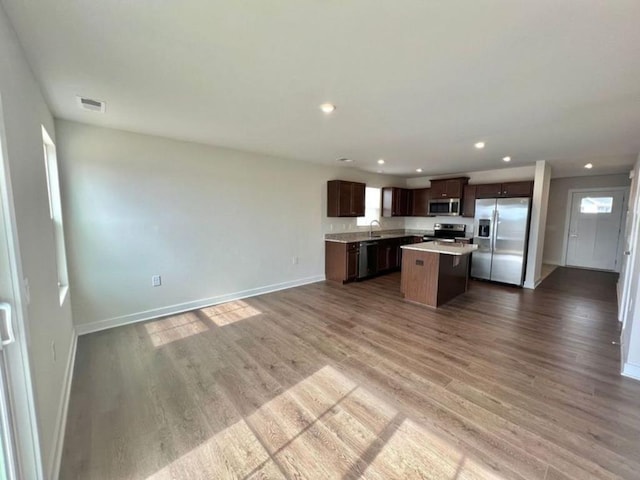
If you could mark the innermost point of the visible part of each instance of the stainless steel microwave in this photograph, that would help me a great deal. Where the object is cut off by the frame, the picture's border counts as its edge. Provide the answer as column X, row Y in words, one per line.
column 445, row 206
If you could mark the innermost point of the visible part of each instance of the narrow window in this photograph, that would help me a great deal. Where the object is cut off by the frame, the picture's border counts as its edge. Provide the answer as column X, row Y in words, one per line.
column 596, row 205
column 372, row 203
column 55, row 212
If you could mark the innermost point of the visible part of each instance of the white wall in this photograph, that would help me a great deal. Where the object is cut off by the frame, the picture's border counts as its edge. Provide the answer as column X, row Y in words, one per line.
column 558, row 199
column 215, row 223
column 24, row 112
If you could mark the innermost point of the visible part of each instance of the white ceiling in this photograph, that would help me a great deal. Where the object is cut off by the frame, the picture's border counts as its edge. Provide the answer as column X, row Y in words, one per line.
column 416, row 82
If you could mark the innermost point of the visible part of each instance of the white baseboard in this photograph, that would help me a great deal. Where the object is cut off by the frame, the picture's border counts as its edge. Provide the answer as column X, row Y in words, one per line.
column 63, row 408
column 187, row 306
column 532, row 286
column 557, row 263
column 632, row 371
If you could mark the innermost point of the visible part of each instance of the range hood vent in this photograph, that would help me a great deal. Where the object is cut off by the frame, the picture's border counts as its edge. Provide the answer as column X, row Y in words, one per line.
column 91, row 104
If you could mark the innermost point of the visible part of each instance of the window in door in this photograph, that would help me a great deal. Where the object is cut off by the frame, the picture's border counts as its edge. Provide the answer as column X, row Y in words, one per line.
column 596, row 205
column 55, row 212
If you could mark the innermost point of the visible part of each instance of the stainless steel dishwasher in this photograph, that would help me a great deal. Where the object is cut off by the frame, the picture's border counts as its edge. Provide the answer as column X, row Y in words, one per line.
column 368, row 263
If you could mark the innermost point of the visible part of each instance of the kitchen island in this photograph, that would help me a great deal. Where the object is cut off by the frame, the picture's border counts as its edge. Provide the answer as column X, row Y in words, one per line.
column 435, row 272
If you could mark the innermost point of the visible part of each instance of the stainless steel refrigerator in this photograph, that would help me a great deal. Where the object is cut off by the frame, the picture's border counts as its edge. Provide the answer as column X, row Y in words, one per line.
column 501, row 231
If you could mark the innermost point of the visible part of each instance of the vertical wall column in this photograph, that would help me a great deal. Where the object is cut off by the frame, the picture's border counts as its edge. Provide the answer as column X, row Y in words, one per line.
column 539, row 205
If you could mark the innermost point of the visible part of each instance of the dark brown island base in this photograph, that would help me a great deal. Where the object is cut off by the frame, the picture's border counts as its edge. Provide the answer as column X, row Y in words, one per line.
column 433, row 273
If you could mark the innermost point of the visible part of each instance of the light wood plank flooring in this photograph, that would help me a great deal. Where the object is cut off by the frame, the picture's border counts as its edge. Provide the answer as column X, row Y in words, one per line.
column 327, row 381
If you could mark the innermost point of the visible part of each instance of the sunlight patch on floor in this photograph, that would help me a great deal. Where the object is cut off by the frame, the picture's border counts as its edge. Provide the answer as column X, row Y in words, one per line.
column 232, row 453
column 325, row 426
column 230, row 312
column 176, row 327
column 413, row 450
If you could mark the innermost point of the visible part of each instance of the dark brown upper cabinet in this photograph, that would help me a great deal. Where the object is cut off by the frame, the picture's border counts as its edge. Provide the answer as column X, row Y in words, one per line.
column 420, row 202
column 501, row 190
column 396, row 202
column 469, row 201
column 345, row 199
column 448, row 187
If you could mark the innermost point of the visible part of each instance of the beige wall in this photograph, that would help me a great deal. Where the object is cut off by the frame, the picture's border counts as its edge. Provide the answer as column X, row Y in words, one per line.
column 215, row 223
column 558, row 199
column 24, row 111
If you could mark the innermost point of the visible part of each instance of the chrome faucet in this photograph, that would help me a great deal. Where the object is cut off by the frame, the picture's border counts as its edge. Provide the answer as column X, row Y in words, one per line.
column 371, row 227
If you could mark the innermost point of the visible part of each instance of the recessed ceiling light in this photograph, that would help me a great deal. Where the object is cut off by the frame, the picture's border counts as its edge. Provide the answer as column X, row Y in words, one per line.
column 419, row 170
column 589, row 166
column 506, row 159
column 381, row 161
column 328, row 107
column 479, row 145
column 345, row 160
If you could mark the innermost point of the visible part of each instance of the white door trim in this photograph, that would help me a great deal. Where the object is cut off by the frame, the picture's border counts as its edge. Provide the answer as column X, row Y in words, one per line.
column 567, row 218
column 633, row 240
column 27, row 439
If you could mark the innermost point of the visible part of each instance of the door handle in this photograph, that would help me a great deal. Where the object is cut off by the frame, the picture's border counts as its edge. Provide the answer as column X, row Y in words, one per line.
column 628, row 252
column 494, row 231
column 8, row 325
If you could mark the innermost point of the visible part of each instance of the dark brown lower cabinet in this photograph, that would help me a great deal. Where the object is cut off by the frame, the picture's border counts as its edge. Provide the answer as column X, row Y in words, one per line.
column 341, row 261
column 388, row 254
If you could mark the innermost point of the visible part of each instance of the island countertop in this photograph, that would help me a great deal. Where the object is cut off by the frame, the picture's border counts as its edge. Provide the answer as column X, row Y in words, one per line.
column 442, row 247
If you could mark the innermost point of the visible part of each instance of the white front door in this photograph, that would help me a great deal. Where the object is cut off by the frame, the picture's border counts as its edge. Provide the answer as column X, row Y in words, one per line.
column 595, row 228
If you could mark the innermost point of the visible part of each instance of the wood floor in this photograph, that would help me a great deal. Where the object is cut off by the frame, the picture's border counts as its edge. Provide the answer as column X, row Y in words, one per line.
column 328, row 381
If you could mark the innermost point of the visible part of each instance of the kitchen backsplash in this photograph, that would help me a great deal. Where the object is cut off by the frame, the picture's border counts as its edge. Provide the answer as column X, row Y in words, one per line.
column 345, row 225
column 427, row 223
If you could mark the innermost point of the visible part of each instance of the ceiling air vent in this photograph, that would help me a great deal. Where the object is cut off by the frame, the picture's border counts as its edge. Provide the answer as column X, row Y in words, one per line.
column 91, row 104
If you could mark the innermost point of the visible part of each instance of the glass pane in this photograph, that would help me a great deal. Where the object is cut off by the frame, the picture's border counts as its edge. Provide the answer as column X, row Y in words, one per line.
column 372, row 199
column 596, row 205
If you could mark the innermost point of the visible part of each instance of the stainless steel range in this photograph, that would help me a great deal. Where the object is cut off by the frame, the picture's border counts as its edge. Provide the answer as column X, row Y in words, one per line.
column 446, row 232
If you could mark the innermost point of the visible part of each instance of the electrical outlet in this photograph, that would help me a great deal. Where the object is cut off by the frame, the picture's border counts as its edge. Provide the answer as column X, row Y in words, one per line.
column 53, row 350
column 294, row 260
column 156, row 280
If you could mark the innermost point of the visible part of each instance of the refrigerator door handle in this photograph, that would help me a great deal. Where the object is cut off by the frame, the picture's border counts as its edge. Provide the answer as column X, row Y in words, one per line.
column 494, row 233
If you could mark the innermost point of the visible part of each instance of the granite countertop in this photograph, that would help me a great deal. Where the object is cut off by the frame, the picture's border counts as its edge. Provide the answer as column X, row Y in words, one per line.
column 352, row 237
column 361, row 236
column 445, row 248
